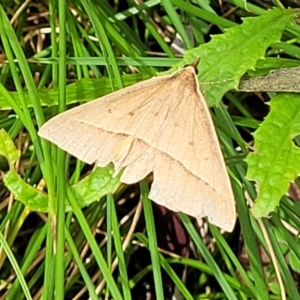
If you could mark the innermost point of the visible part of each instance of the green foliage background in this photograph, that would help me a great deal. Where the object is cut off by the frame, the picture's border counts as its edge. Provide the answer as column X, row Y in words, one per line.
column 73, row 210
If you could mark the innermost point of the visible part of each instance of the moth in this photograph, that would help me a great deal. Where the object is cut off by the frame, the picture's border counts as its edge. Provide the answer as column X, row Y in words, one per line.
column 161, row 126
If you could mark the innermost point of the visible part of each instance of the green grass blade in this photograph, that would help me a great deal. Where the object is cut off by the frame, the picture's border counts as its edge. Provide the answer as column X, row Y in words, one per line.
column 94, row 247
column 207, row 256
column 152, row 239
column 15, row 266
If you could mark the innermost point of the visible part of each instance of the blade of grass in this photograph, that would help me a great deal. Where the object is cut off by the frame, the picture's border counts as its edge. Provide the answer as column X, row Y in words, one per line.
column 169, row 270
column 30, row 254
column 119, row 250
column 105, row 45
column 58, row 221
column 202, row 14
column 94, row 246
column 154, row 32
column 168, row 6
column 15, row 266
column 152, row 239
column 49, row 286
column 87, row 280
column 226, row 251
column 208, row 257
column 289, row 283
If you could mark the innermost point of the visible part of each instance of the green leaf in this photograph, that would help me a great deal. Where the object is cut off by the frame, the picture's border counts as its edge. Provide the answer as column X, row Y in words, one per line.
column 274, row 288
column 7, row 148
column 294, row 261
column 276, row 160
column 228, row 56
column 32, row 198
column 99, row 183
column 96, row 185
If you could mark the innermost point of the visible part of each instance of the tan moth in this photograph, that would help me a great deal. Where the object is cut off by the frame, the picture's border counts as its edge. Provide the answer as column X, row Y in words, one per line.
column 161, row 125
